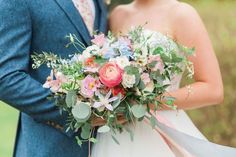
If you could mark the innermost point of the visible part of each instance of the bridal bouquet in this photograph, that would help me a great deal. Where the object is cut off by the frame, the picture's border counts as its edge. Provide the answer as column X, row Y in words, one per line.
column 115, row 77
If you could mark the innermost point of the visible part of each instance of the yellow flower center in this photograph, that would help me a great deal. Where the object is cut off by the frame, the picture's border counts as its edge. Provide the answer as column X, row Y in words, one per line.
column 91, row 85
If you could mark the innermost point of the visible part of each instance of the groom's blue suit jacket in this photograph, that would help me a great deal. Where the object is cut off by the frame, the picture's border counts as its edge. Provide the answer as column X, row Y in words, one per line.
column 28, row 26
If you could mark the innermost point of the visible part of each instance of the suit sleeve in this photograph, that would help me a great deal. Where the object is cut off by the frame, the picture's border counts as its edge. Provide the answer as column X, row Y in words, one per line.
column 17, row 87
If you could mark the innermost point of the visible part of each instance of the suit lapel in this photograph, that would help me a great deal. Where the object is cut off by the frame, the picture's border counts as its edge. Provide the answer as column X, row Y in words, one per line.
column 70, row 10
column 103, row 16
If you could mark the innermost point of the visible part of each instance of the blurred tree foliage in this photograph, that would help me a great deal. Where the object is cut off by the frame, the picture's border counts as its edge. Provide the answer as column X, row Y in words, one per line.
column 218, row 123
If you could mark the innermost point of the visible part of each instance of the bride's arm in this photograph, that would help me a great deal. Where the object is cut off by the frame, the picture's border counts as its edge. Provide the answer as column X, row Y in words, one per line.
column 207, row 90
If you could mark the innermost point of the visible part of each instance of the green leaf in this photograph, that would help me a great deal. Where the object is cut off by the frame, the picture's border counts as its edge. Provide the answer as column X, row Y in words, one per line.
column 156, row 75
column 71, row 98
column 79, row 142
column 104, row 129
column 152, row 64
column 137, row 79
column 176, row 59
column 165, row 58
column 93, row 140
column 153, row 121
column 78, row 125
column 158, row 50
column 138, row 111
column 81, row 112
column 131, row 70
column 85, row 134
column 86, row 131
column 99, row 60
column 141, row 85
column 131, row 133
column 170, row 100
column 117, row 102
column 115, row 140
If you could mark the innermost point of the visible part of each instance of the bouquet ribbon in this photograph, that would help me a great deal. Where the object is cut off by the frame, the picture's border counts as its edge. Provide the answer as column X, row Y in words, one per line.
column 185, row 145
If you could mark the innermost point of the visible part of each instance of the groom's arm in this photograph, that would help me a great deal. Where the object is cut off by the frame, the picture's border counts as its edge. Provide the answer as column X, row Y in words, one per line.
column 17, row 88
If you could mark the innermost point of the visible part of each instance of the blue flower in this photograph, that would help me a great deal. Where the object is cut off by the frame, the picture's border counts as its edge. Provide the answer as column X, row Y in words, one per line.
column 124, row 48
column 109, row 53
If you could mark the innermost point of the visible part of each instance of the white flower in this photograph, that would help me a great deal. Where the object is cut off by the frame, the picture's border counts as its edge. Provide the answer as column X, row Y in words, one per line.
column 137, row 92
column 87, row 53
column 77, row 58
column 149, row 87
column 128, row 81
column 121, row 61
column 144, row 50
column 142, row 60
column 94, row 49
column 105, row 101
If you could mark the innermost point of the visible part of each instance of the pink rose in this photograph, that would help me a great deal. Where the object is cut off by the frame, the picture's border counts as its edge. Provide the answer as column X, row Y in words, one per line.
column 99, row 40
column 110, row 75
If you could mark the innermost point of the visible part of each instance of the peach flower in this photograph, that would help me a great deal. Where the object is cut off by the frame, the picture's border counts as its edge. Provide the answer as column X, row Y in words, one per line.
column 110, row 74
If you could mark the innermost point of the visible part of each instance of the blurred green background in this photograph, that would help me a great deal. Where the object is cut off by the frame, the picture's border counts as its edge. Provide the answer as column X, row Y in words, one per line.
column 218, row 123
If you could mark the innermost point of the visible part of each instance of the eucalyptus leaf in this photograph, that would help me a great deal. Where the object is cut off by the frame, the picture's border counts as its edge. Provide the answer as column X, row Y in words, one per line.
column 138, row 111
column 141, row 85
column 137, row 79
column 81, row 112
column 86, row 131
column 78, row 125
column 131, row 70
column 104, row 129
column 153, row 121
column 85, row 134
column 71, row 98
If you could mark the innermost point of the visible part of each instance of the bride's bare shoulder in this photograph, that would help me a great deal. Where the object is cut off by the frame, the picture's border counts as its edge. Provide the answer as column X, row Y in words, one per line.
column 118, row 14
column 181, row 10
column 185, row 20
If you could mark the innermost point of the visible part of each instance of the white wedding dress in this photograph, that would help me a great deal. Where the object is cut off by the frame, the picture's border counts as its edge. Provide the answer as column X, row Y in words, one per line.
column 163, row 142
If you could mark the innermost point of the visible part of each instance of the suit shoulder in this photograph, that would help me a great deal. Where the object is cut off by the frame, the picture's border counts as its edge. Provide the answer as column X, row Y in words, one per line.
column 13, row 5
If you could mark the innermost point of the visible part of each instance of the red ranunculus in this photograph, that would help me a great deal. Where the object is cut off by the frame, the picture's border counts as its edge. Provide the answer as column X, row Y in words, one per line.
column 118, row 90
column 110, row 75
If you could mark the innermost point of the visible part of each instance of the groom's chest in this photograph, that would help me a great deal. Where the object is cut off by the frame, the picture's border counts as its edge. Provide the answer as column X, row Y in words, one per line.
column 52, row 20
